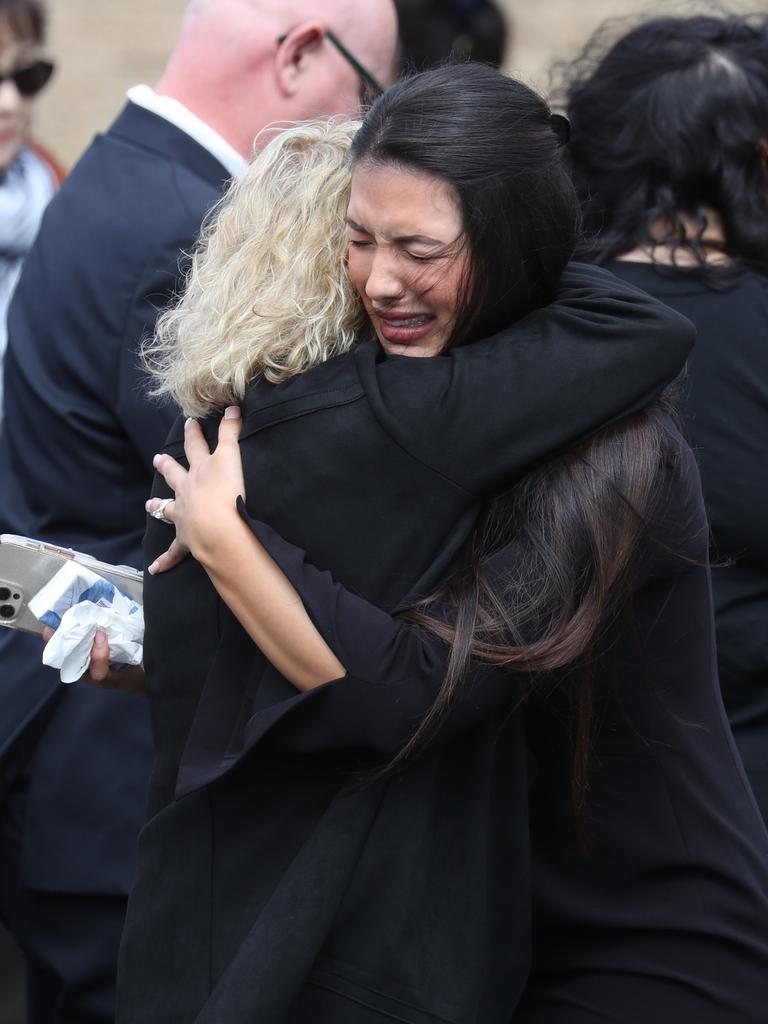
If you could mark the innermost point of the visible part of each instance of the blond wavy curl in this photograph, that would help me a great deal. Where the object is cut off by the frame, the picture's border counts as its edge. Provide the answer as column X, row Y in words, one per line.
column 267, row 293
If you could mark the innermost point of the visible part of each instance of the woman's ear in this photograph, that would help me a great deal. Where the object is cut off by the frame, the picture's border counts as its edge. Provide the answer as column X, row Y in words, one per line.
column 295, row 52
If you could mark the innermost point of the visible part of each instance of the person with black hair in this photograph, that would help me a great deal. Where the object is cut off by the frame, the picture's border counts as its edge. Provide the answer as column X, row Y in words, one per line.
column 330, row 873
column 670, row 158
column 435, row 31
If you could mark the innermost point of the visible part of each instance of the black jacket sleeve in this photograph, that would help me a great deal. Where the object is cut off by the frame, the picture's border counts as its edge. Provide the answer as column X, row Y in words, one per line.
column 394, row 672
column 497, row 407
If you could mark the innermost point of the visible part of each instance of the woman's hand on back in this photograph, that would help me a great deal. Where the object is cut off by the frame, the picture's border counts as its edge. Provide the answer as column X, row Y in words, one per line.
column 205, row 496
column 251, row 584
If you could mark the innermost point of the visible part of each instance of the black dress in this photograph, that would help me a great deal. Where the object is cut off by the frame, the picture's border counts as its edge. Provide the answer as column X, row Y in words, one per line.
column 726, row 406
column 270, row 887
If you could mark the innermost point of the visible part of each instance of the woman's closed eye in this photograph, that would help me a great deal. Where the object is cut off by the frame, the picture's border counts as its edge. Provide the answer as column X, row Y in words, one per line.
column 421, row 257
column 362, row 243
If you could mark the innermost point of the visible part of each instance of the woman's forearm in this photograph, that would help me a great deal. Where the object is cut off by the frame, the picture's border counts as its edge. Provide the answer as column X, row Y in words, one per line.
column 393, row 671
column 266, row 605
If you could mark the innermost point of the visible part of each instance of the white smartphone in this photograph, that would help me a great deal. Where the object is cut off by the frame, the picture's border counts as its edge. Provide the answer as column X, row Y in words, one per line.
column 26, row 565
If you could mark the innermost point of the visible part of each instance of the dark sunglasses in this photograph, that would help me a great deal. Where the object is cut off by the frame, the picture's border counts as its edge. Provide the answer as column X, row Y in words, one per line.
column 372, row 83
column 30, row 79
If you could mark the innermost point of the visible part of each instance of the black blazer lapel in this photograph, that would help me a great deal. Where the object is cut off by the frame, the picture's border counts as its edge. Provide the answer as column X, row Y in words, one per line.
column 141, row 127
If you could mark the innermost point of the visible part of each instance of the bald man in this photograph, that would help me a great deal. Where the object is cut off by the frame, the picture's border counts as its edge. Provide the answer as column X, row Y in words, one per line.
column 78, row 439
column 263, row 81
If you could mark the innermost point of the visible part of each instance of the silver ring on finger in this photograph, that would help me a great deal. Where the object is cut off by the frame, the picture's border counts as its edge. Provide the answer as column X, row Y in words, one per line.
column 159, row 512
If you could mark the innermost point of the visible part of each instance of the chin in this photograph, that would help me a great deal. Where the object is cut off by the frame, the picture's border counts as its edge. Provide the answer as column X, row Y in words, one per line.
column 9, row 151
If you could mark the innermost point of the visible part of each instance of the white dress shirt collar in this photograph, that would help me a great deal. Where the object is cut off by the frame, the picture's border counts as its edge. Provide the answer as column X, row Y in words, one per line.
column 178, row 114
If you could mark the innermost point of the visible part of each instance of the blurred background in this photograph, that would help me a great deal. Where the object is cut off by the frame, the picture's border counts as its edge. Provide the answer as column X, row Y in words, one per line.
column 102, row 48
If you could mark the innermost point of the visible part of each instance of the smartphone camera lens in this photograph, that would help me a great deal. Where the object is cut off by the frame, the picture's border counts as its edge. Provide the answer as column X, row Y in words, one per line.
column 5, row 594
column 7, row 611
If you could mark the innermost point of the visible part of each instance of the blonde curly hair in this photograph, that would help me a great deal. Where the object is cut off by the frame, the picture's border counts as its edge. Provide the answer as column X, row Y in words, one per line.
column 267, row 293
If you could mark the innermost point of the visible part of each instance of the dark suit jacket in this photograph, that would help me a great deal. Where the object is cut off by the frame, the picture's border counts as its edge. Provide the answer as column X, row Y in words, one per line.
column 75, row 467
column 378, row 467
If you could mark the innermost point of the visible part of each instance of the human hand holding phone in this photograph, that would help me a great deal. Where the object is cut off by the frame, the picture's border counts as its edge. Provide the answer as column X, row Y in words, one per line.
column 105, row 676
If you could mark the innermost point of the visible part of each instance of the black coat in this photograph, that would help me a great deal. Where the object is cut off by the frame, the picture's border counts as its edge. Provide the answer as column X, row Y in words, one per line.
column 652, row 905
column 657, row 909
column 75, row 469
column 726, row 416
column 378, row 468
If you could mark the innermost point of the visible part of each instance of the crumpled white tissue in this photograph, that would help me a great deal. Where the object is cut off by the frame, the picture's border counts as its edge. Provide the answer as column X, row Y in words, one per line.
column 76, row 602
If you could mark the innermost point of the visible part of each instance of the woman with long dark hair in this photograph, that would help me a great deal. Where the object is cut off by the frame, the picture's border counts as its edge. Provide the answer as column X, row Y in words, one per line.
column 328, row 876
column 670, row 159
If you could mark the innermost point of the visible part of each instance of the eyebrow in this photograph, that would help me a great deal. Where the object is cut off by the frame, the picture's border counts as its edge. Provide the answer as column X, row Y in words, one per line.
column 402, row 239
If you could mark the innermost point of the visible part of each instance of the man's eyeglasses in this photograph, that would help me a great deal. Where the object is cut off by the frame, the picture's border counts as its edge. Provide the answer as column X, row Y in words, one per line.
column 372, row 83
column 30, row 79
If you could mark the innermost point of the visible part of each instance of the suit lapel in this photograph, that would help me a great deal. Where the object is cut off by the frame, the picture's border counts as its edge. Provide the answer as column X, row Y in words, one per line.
column 142, row 127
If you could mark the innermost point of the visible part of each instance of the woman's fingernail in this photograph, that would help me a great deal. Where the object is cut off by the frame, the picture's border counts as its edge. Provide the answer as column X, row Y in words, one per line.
column 152, row 568
column 100, row 637
column 232, row 412
column 188, row 422
column 156, row 459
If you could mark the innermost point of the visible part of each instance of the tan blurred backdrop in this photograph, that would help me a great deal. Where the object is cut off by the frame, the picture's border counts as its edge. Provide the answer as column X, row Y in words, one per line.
column 104, row 46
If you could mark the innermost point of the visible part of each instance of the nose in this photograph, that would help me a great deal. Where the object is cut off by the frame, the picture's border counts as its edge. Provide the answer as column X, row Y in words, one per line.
column 10, row 98
column 385, row 283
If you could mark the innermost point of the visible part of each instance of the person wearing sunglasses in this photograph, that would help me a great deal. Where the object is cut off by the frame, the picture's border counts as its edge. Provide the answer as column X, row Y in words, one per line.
column 28, row 177
column 77, row 423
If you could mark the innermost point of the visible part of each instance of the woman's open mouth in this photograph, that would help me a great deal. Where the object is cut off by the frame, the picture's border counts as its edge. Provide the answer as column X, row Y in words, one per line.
column 405, row 327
